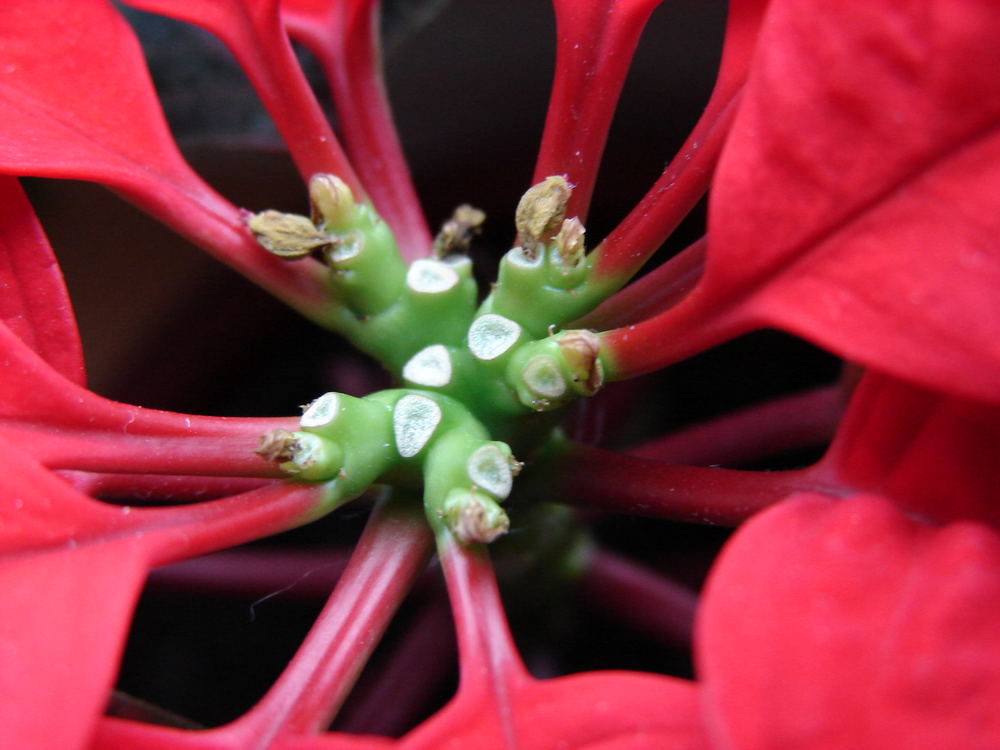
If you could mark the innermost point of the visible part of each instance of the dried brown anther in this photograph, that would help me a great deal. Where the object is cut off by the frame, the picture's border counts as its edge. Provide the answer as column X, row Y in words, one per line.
column 288, row 236
column 457, row 232
column 276, row 446
column 541, row 211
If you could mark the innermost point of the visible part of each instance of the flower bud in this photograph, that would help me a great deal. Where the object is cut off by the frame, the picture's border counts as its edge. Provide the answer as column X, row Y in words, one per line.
column 331, row 200
column 569, row 242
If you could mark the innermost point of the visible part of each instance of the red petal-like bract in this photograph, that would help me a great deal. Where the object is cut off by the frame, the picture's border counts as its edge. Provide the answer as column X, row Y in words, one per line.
column 65, row 616
column 76, row 102
column 856, row 202
column 34, row 304
column 70, row 571
column 596, row 711
column 845, row 625
column 931, row 453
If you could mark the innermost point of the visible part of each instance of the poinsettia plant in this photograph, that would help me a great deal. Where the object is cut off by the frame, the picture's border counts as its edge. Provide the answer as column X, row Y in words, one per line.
column 849, row 155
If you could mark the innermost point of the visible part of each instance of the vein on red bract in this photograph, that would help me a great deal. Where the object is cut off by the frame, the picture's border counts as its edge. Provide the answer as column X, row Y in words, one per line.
column 846, row 624
column 77, row 103
column 344, row 36
column 857, row 192
column 35, row 305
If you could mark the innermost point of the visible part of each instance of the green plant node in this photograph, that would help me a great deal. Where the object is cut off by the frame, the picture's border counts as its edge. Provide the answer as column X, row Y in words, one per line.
column 478, row 381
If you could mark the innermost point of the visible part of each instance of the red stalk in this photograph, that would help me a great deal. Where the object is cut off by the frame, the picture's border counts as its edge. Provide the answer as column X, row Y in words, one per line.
column 296, row 574
column 218, row 227
column 656, row 292
column 760, row 431
column 254, row 34
column 390, row 703
column 597, row 478
column 490, row 669
column 679, row 332
column 167, row 488
column 389, row 556
column 595, row 43
column 191, row 530
column 669, row 200
column 108, row 452
column 640, row 597
column 345, row 39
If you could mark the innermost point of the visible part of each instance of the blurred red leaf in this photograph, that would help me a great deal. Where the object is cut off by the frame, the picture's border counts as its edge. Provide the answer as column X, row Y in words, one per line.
column 931, row 453
column 34, row 304
column 848, row 625
column 64, row 619
column 856, row 202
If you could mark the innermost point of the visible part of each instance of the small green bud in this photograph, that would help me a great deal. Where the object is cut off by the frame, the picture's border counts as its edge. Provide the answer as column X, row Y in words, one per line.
column 568, row 243
column 331, row 200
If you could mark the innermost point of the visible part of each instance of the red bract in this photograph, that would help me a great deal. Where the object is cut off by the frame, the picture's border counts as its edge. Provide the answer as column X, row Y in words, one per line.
column 856, row 194
column 35, row 306
column 845, row 625
column 116, row 134
column 852, row 155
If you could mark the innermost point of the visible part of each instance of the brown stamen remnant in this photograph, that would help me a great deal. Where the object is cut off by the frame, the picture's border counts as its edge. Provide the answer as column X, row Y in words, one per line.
column 580, row 350
column 541, row 211
column 457, row 232
column 277, row 446
column 473, row 518
column 569, row 241
column 330, row 200
column 288, row 236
